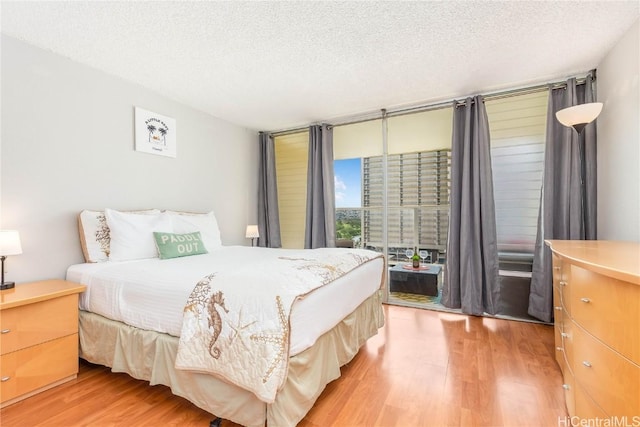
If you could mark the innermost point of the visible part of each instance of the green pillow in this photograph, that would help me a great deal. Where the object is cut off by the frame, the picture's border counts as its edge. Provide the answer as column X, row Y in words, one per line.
column 172, row 245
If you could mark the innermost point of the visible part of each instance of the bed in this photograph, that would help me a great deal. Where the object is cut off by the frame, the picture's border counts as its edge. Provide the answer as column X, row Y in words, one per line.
column 135, row 316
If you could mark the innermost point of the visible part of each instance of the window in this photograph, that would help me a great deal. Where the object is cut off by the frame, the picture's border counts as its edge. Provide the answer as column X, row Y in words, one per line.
column 416, row 196
column 348, row 187
column 351, row 143
column 517, row 125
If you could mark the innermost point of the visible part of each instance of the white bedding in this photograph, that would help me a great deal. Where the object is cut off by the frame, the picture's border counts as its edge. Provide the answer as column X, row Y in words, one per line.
column 150, row 294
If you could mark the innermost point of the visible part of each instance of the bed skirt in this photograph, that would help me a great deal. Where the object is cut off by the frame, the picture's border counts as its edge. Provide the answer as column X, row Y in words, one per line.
column 150, row 356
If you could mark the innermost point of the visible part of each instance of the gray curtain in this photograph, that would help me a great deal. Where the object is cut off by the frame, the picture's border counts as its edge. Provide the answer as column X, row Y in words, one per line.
column 568, row 201
column 320, row 230
column 471, row 282
column 268, row 214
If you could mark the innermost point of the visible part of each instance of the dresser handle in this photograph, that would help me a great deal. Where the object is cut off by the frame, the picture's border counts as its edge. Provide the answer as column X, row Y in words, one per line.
column 5, row 331
column 559, row 349
column 564, row 334
column 5, row 379
column 558, row 307
column 566, row 386
column 557, row 267
column 585, row 300
column 586, row 363
column 563, row 283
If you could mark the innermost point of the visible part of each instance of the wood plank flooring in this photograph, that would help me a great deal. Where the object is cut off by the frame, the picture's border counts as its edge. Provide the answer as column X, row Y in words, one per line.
column 424, row 368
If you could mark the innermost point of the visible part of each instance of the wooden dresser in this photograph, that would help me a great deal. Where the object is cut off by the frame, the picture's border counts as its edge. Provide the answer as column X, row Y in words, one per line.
column 596, row 298
column 39, row 337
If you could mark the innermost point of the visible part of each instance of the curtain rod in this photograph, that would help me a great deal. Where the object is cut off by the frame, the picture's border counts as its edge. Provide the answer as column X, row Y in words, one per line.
column 491, row 96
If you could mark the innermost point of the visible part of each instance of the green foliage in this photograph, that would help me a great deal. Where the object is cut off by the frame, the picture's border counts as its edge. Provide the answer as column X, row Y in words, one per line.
column 348, row 228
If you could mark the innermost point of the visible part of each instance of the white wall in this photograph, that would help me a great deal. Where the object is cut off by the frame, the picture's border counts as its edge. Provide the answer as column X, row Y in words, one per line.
column 68, row 145
column 619, row 140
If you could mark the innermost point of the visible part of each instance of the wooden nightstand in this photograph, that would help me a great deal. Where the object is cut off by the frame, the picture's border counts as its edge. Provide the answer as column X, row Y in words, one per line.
column 39, row 337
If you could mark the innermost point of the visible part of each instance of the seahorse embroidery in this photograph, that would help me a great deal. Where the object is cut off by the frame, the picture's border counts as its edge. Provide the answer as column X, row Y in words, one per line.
column 215, row 321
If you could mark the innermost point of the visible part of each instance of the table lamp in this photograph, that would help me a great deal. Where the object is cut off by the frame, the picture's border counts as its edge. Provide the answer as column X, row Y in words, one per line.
column 9, row 245
column 252, row 233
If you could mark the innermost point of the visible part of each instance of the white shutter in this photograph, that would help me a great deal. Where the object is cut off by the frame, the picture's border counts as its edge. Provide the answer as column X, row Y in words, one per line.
column 292, row 152
column 417, row 199
column 517, row 126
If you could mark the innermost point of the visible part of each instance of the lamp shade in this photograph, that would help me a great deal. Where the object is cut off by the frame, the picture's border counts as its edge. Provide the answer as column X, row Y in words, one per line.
column 579, row 116
column 252, row 232
column 10, row 243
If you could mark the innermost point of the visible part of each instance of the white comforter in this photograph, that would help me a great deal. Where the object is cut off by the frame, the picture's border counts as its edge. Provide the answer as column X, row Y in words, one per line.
column 236, row 321
column 151, row 294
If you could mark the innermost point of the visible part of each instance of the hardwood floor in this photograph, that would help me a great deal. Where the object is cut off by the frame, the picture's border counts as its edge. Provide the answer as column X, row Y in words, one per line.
column 424, row 368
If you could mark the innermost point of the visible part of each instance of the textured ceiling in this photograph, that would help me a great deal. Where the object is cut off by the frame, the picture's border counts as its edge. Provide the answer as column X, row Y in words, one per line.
column 274, row 65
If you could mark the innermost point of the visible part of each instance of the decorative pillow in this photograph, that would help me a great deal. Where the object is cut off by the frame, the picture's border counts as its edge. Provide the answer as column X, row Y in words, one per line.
column 95, row 236
column 132, row 234
column 171, row 245
column 205, row 223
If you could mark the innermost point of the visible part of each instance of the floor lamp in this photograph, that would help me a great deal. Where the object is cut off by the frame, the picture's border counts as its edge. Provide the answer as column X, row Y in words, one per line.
column 577, row 117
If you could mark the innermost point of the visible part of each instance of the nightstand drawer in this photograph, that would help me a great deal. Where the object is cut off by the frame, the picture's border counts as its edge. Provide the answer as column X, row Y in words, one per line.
column 27, row 370
column 43, row 321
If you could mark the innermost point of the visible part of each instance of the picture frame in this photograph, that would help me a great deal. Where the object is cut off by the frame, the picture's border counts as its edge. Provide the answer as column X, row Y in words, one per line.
column 155, row 133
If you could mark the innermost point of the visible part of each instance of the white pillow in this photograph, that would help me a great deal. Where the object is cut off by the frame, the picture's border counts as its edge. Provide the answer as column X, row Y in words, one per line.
column 205, row 223
column 132, row 234
column 95, row 235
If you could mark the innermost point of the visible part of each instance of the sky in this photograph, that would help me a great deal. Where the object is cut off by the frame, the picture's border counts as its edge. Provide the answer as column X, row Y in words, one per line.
column 348, row 183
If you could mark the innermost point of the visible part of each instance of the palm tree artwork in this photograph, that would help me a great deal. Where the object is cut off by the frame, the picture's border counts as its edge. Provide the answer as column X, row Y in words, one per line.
column 151, row 129
column 163, row 132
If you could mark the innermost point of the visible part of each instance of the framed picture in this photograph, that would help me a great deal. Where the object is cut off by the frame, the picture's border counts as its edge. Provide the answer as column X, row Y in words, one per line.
column 155, row 133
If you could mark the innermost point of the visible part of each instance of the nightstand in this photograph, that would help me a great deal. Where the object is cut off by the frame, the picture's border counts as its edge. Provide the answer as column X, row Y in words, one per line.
column 38, row 337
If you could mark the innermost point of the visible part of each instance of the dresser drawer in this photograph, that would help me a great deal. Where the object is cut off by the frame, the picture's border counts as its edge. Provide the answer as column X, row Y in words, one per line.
column 612, row 381
column 557, row 322
column 38, row 366
column 33, row 324
column 557, row 269
column 569, row 392
column 559, row 350
column 561, row 279
column 586, row 408
column 567, row 338
column 563, row 282
column 609, row 309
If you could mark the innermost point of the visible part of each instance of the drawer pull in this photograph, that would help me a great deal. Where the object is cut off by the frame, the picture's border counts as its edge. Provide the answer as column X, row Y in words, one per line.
column 585, row 300
column 558, row 307
column 564, row 334
column 563, row 283
column 557, row 267
column 559, row 349
column 586, row 363
column 5, row 379
column 5, row 331
column 566, row 386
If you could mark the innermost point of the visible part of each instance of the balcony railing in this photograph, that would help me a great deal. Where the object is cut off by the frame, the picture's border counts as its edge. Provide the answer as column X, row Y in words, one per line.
column 407, row 228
